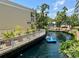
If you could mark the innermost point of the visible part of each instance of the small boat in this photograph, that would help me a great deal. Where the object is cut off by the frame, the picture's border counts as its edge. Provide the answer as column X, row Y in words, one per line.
column 51, row 39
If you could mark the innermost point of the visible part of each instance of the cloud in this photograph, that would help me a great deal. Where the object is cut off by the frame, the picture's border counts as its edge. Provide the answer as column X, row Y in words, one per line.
column 58, row 3
column 70, row 11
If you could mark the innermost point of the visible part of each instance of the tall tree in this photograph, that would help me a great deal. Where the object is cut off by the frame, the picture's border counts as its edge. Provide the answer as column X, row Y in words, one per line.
column 42, row 21
column 65, row 9
column 61, row 16
column 43, row 7
column 74, row 20
column 64, row 16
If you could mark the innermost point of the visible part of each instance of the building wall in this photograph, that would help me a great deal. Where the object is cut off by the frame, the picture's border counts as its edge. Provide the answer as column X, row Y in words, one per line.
column 77, row 8
column 10, row 16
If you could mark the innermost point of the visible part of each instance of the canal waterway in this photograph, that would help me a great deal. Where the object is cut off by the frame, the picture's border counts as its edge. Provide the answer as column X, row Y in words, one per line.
column 43, row 49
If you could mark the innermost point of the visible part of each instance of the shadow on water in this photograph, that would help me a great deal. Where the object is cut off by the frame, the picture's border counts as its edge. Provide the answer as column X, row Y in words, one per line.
column 43, row 50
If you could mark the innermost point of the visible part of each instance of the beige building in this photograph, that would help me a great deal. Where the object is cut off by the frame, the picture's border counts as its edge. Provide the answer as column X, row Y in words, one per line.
column 12, row 14
column 77, row 8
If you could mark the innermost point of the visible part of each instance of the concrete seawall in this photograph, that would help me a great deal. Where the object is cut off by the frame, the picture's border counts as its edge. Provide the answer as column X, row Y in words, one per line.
column 13, row 51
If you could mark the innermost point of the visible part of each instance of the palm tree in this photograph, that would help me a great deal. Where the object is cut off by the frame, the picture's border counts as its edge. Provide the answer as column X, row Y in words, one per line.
column 64, row 16
column 42, row 18
column 43, row 9
column 61, row 16
column 58, row 13
column 65, row 9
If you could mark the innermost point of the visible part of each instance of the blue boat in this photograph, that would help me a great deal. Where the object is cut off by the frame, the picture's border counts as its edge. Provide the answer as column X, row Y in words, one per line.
column 51, row 38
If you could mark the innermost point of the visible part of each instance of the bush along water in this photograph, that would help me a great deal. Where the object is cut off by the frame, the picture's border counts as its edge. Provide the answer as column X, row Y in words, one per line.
column 70, row 48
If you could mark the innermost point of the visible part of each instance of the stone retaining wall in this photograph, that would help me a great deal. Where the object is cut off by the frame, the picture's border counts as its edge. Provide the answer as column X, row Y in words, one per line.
column 31, row 39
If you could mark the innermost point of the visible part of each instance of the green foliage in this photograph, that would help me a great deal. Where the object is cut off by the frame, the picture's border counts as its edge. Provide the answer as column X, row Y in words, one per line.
column 61, row 16
column 70, row 48
column 42, row 18
column 43, row 7
column 27, row 31
column 74, row 20
column 8, row 34
column 17, row 30
column 65, row 9
column 12, row 34
column 33, row 27
column 66, row 45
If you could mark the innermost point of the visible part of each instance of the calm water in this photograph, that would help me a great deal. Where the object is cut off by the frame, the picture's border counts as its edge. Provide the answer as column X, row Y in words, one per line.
column 44, row 49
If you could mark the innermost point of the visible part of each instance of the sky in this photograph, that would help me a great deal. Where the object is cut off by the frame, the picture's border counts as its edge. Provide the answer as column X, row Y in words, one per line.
column 55, row 5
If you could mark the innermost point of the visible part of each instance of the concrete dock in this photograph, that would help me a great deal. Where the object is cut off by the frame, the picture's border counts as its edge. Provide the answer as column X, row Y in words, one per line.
column 26, row 40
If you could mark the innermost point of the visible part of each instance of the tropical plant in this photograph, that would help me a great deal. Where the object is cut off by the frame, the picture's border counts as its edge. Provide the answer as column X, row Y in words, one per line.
column 43, row 8
column 33, row 27
column 29, row 30
column 70, row 48
column 65, row 9
column 8, row 34
column 74, row 20
column 61, row 16
column 64, row 13
column 42, row 16
column 18, row 30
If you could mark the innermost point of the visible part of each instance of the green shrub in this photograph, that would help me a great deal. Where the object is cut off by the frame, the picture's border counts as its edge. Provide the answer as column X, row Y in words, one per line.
column 8, row 34
column 66, row 45
column 17, row 30
column 70, row 48
column 33, row 27
column 11, row 34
